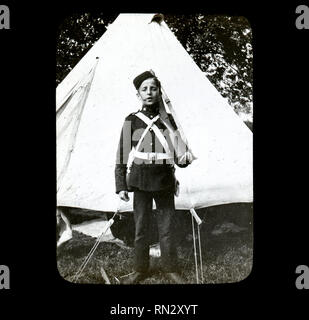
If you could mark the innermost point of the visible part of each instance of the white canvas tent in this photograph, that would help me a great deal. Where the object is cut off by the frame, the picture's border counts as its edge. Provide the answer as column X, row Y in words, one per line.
column 96, row 96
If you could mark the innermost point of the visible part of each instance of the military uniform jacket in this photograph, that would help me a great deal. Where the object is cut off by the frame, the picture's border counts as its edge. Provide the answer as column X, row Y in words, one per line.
column 146, row 175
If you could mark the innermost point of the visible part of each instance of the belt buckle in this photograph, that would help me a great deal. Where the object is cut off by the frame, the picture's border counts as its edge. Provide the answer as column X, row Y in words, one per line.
column 152, row 156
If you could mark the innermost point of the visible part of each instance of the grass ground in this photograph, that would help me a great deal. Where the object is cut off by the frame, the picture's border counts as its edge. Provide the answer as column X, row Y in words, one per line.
column 227, row 257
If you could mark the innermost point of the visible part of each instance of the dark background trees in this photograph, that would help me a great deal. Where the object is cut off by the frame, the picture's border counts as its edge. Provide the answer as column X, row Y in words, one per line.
column 220, row 45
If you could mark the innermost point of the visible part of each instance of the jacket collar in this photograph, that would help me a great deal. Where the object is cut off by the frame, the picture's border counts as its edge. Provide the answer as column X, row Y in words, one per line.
column 150, row 110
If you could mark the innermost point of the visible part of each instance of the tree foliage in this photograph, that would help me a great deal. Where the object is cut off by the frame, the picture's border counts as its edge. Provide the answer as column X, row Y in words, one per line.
column 76, row 35
column 220, row 45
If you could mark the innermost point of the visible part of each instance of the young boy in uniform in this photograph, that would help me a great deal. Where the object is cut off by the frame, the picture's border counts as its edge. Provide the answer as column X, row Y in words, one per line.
column 151, row 177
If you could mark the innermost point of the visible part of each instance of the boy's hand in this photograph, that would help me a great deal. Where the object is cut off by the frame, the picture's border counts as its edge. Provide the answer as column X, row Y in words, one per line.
column 186, row 157
column 123, row 195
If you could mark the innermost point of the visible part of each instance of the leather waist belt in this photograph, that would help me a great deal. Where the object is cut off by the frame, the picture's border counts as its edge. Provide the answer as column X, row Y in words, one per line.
column 151, row 156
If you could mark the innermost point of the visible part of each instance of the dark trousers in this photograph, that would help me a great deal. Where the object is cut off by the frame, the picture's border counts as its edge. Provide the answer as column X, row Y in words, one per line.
column 165, row 205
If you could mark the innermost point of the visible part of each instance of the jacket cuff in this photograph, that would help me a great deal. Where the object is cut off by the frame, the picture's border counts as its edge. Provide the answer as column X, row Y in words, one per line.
column 120, row 178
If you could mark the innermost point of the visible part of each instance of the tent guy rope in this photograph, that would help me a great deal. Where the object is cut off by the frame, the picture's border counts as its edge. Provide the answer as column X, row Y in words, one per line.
column 97, row 242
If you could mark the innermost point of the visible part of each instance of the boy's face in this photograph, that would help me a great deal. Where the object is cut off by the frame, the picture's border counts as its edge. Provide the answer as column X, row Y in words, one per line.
column 149, row 92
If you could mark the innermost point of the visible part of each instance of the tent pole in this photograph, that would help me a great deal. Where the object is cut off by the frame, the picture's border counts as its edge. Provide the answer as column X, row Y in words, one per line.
column 195, row 253
column 198, row 221
column 200, row 250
